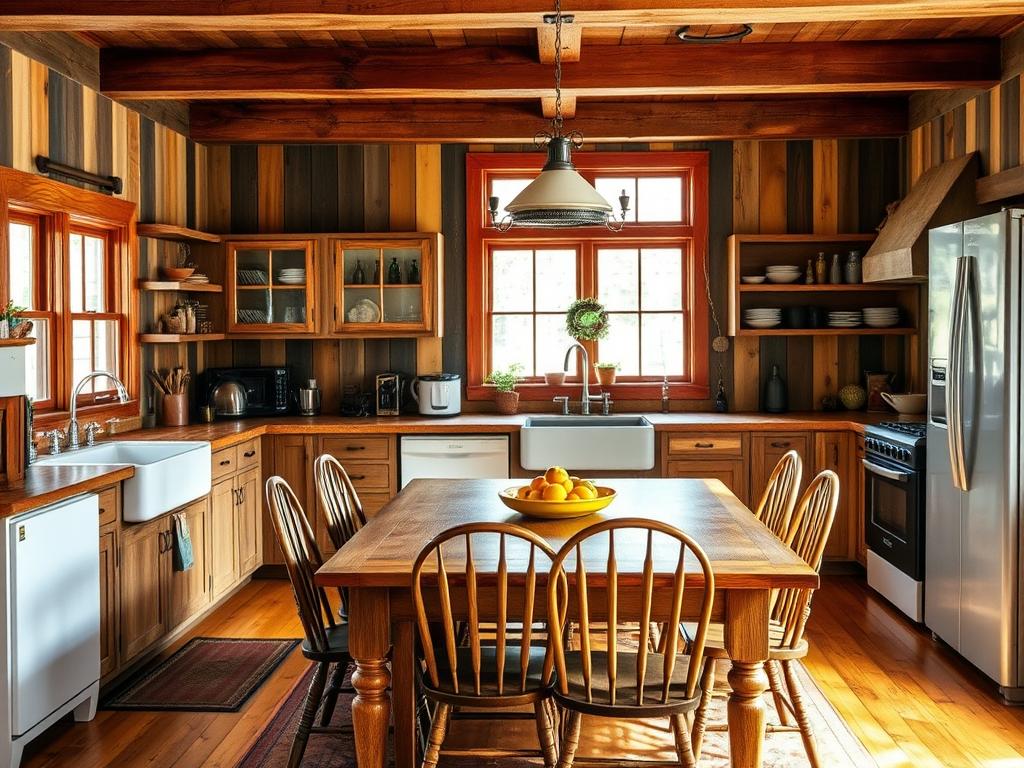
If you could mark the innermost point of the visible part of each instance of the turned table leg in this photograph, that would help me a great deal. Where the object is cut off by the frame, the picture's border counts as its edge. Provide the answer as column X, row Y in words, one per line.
column 369, row 642
column 746, row 640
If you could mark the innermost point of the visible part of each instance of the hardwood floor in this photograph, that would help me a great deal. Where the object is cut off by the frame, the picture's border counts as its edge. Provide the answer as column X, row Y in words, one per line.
column 909, row 700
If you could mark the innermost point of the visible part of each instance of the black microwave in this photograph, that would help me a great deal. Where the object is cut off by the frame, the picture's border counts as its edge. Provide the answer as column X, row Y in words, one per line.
column 266, row 388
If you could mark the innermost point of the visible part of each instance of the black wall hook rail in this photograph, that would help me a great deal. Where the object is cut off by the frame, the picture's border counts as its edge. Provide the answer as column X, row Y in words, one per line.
column 111, row 184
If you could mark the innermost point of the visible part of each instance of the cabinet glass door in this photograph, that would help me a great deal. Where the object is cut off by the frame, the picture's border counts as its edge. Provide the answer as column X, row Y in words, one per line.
column 382, row 287
column 272, row 288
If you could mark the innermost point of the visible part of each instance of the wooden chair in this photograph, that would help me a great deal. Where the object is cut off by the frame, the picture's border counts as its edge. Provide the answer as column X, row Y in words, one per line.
column 775, row 509
column 791, row 608
column 510, row 673
column 615, row 683
column 326, row 640
column 343, row 512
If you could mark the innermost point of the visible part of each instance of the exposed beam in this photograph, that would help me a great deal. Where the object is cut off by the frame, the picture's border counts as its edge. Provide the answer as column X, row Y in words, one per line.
column 572, row 40
column 282, row 15
column 515, row 122
column 513, row 73
column 547, row 106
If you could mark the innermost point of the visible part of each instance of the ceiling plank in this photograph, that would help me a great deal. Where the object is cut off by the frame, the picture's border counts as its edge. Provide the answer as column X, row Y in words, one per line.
column 284, row 15
column 503, row 122
column 513, row 73
column 572, row 41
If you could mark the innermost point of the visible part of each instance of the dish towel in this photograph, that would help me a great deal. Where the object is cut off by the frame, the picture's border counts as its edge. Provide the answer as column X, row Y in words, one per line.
column 183, row 558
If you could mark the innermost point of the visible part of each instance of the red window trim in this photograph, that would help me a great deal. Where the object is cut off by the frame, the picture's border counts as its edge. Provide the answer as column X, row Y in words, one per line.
column 480, row 166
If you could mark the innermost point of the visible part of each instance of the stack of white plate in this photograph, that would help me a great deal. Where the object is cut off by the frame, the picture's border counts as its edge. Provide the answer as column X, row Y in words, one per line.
column 881, row 317
column 292, row 276
column 783, row 274
column 845, row 318
column 252, row 277
column 762, row 318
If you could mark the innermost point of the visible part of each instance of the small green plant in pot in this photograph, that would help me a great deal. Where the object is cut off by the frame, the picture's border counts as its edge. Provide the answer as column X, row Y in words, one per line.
column 10, row 320
column 606, row 373
column 504, row 380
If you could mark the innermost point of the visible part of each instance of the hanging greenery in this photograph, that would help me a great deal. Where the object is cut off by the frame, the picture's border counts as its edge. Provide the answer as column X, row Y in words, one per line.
column 586, row 320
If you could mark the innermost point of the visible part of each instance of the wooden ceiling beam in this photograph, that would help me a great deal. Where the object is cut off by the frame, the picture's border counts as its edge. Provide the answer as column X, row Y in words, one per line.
column 298, row 15
column 547, row 106
column 514, row 73
column 513, row 122
column 572, row 42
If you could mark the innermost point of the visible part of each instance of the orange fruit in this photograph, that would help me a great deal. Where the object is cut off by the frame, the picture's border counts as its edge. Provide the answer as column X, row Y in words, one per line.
column 567, row 484
column 575, row 480
column 538, row 483
column 555, row 492
column 582, row 492
column 573, row 496
column 535, row 495
column 522, row 492
column 589, row 484
column 556, row 475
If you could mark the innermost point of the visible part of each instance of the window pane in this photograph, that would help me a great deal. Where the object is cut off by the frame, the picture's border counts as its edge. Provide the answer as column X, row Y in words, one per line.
column 556, row 280
column 659, row 199
column 37, row 356
column 617, row 278
column 512, row 281
column 662, row 344
column 512, row 342
column 622, row 345
column 22, row 264
column 610, row 187
column 662, row 282
column 75, row 265
column 95, row 274
column 552, row 342
column 94, row 348
column 507, row 189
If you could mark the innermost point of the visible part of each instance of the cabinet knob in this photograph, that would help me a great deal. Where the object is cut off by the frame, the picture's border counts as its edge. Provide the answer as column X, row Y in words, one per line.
column 225, row 462
column 780, row 444
column 357, row 477
column 249, row 454
column 355, row 447
column 703, row 445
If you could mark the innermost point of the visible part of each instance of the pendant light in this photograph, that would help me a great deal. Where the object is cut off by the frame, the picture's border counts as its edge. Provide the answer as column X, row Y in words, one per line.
column 559, row 197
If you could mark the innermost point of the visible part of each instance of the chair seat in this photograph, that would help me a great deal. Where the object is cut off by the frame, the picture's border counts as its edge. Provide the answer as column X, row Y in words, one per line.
column 714, row 644
column 337, row 645
column 511, row 691
column 625, row 686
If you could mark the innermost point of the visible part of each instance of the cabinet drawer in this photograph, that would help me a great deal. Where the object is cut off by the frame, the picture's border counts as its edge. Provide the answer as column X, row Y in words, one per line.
column 248, row 454
column 108, row 506
column 225, row 462
column 358, row 448
column 369, row 476
column 718, row 444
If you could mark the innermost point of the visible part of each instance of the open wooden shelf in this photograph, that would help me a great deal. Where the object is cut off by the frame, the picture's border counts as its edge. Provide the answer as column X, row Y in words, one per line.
column 805, row 288
column 826, row 331
column 174, row 232
column 179, row 338
column 179, row 285
column 16, row 342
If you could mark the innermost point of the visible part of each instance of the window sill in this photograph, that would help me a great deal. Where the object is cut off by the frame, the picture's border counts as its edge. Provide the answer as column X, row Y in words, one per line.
column 639, row 390
column 59, row 419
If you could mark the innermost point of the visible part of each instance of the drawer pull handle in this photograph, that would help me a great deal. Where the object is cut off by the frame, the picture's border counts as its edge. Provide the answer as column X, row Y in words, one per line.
column 355, row 447
column 249, row 454
column 225, row 462
column 703, row 445
column 780, row 444
column 357, row 477
column 103, row 510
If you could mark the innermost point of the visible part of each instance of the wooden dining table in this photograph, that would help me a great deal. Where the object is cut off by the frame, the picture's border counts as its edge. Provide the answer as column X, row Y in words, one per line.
column 376, row 565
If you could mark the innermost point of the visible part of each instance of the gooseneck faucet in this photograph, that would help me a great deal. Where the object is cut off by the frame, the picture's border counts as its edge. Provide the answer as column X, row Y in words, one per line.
column 72, row 430
column 585, row 399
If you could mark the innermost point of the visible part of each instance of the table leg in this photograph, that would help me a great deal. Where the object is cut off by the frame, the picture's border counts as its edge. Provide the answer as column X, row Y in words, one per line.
column 369, row 642
column 403, row 693
column 746, row 640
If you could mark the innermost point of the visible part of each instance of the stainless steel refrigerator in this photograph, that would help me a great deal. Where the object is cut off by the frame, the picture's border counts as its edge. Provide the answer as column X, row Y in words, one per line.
column 973, row 575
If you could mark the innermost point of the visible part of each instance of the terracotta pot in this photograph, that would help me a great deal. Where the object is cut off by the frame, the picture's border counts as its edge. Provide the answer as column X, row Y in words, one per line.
column 174, row 410
column 605, row 376
column 507, row 402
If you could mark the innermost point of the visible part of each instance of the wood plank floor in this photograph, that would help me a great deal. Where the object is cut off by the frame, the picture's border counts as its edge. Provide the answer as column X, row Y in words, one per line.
column 909, row 700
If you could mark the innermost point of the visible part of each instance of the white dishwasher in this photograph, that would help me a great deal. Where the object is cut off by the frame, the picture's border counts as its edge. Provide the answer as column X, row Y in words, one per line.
column 453, row 457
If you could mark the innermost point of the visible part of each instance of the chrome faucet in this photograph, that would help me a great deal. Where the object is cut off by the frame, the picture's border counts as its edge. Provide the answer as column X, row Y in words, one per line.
column 72, row 430
column 586, row 398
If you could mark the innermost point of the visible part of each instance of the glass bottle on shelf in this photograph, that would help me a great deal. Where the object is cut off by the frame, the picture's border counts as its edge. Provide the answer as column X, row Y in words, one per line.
column 414, row 273
column 809, row 274
column 359, row 275
column 376, row 272
column 835, row 273
column 820, row 270
column 394, row 272
column 852, row 268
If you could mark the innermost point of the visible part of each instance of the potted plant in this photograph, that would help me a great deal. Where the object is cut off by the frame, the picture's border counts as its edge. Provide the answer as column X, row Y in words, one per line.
column 606, row 373
column 504, row 380
column 9, row 320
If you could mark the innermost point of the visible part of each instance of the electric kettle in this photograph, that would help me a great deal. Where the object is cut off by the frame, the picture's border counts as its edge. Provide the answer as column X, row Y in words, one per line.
column 438, row 394
column 229, row 398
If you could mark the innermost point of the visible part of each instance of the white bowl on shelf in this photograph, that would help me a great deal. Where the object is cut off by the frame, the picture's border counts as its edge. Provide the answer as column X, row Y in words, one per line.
column 753, row 279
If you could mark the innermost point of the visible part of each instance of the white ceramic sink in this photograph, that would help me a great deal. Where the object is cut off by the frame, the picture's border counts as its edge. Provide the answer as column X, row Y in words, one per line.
column 582, row 443
column 168, row 474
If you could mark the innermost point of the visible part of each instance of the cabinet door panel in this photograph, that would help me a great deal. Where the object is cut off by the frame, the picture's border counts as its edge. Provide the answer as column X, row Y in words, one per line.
column 766, row 450
column 190, row 590
column 291, row 458
column 832, row 450
column 108, row 601
column 732, row 473
column 143, row 587
column 223, row 552
column 247, row 522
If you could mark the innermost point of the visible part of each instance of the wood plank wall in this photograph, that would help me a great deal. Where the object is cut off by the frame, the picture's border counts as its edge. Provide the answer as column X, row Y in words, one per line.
column 332, row 188
column 43, row 112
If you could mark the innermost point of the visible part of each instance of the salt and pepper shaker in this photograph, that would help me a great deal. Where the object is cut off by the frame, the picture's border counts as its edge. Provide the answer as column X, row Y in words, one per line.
column 852, row 268
column 835, row 273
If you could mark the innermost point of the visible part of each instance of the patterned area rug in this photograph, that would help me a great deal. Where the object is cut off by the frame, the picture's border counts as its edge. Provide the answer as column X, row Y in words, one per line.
column 207, row 674
column 837, row 745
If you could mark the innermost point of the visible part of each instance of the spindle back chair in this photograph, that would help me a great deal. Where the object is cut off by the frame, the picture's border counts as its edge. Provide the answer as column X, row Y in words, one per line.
column 343, row 512
column 775, row 509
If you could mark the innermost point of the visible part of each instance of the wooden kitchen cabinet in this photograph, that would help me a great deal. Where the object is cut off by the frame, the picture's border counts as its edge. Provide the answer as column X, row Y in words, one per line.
column 144, row 586
column 858, row 502
column 766, row 448
column 108, row 599
column 270, row 286
column 189, row 591
column 248, row 526
column 836, row 451
column 721, row 455
column 291, row 457
column 223, row 555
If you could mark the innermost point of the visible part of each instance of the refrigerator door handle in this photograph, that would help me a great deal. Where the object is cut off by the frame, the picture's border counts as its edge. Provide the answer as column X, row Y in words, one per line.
column 954, row 415
column 970, row 330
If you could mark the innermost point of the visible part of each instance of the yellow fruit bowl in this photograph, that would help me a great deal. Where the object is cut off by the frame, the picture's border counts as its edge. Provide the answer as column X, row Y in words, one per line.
column 554, row 510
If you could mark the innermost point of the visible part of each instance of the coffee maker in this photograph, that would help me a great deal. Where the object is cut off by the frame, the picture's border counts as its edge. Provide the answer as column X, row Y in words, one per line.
column 308, row 399
column 389, row 394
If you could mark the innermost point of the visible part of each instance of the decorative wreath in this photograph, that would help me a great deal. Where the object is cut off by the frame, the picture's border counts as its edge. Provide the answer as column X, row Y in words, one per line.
column 586, row 320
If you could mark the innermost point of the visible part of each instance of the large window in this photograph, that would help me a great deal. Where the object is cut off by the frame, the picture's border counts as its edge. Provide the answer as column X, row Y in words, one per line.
column 68, row 266
column 650, row 277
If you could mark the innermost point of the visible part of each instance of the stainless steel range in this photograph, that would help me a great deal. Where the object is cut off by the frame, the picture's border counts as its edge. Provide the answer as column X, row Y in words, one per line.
column 894, row 481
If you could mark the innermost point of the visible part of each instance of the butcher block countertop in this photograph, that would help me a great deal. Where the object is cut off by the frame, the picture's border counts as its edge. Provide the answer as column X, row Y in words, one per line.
column 47, row 484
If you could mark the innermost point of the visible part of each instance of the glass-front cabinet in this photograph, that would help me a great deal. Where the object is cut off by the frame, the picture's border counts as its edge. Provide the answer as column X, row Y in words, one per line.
column 387, row 286
column 270, row 286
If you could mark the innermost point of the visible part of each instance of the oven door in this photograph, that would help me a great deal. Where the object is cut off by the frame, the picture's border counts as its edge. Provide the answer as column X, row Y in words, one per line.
column 894, row 525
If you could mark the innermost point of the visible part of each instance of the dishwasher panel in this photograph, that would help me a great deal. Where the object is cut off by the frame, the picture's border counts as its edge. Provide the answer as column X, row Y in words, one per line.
column 453, row 457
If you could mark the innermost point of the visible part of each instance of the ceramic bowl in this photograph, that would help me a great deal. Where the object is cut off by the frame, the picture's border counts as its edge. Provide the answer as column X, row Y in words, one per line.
column 554, row 510
column 752, row 279
column 177, row 273
column 555, row 378
column 906, row 404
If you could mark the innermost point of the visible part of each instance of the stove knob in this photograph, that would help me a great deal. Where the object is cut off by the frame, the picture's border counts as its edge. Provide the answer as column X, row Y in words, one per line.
column 905, row 454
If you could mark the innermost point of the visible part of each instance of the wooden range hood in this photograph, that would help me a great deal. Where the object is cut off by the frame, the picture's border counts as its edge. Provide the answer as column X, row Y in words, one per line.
column 943, row 194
